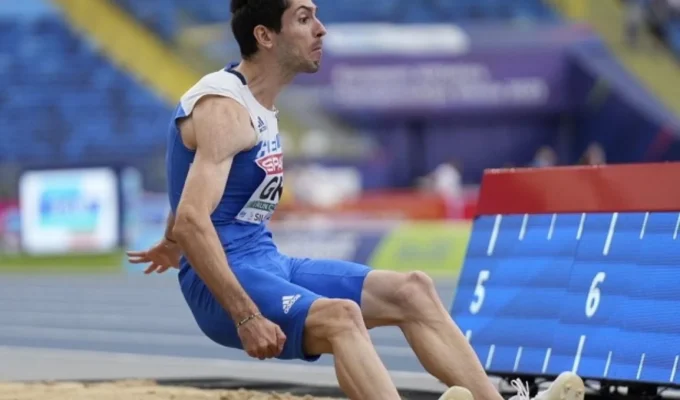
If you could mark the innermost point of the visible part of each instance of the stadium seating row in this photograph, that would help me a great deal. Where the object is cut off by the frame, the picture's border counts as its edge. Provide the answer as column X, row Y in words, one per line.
column 663, row 17
column 673, row 35
column 163, row 16
column 64, row 102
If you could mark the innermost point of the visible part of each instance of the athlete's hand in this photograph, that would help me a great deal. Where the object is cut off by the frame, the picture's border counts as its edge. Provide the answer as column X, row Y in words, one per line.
column 162, row 256
column 261, row 338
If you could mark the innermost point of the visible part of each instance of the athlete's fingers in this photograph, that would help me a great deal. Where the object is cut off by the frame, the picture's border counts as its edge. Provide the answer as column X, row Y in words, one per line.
column 260, row 350
column 247, row 348
column 274, row 349
column 170, row 262
column 136, row 253
column 252, row 352
column 271, row 344
column 163, row 268
column 268, row 346
column 252, row 345
column 151, row 268
column 258, row 354
column 139, row 259
column 281, row 340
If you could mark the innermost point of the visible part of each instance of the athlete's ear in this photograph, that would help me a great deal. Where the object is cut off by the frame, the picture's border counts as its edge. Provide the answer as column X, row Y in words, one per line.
column 264, row 37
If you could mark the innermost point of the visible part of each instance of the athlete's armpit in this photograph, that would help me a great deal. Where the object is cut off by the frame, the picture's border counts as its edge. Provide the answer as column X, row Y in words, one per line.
column 221, row 129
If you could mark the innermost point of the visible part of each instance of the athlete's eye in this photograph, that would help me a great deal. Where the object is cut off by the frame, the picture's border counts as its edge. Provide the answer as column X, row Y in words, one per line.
column 304, row 20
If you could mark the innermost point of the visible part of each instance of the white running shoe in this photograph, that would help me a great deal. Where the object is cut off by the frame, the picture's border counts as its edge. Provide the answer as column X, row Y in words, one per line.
column 457, row 393
column 567, row 386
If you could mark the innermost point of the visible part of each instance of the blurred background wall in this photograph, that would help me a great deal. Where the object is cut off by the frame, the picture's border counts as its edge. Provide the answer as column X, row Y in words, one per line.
column 384, row 147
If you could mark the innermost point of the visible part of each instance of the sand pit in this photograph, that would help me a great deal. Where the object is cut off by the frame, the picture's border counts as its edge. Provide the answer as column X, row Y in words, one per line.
column 130, row 390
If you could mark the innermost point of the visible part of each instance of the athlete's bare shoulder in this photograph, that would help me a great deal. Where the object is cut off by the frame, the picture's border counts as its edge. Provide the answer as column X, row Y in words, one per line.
column 220, row 123
column 216, row 113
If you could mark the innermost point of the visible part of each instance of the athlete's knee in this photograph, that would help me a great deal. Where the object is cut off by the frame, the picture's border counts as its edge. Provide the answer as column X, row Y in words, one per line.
column 415, row 294
column 331, row 319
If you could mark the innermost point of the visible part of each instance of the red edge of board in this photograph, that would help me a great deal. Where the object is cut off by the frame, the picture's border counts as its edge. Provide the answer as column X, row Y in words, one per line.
column 653, row 187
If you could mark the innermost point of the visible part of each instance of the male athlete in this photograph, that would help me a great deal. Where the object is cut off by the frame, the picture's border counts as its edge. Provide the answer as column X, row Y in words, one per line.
column 225, row 175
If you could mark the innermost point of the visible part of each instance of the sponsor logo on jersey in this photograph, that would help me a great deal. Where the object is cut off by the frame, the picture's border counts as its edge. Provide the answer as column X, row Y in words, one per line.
column 261, row 126
column 271, row 164
column 288, row 301
column 261, row 205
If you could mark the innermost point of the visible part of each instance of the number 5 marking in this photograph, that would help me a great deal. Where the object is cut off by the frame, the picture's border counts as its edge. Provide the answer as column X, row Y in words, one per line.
column 480, row 291
column 593, row 300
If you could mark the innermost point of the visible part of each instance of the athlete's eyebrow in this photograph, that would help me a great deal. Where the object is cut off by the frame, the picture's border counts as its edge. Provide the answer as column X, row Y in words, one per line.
column 307, row 8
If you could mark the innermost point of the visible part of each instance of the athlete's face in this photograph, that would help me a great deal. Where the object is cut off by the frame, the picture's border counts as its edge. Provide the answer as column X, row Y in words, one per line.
column 299, row 45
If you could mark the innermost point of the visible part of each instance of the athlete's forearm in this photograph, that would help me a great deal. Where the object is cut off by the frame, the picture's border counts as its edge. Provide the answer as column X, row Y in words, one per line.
column 201, row 246
column 169, row 226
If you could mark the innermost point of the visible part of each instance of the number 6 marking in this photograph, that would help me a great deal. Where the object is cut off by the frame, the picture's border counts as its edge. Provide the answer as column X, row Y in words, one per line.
column 593, row 300
column 476, row 304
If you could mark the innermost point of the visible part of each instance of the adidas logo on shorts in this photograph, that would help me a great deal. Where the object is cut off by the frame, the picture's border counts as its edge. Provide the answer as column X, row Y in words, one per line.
column 288, row 302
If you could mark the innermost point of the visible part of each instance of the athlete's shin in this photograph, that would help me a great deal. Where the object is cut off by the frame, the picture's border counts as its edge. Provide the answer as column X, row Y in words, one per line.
column 445, row 353
column 337, row 327
column 438, row 343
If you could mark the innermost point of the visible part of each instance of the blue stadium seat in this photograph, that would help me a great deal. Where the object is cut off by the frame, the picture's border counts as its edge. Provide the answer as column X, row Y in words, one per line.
column 64, row 102
column 161, row 15
column 674, row 36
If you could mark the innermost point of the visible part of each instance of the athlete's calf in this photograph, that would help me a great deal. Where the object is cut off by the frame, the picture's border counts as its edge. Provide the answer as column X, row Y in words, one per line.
column 336, row 326
column 410, row 301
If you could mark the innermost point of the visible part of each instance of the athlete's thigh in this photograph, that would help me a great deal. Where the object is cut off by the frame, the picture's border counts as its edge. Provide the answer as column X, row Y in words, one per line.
column 279, row 300
column 334, row 279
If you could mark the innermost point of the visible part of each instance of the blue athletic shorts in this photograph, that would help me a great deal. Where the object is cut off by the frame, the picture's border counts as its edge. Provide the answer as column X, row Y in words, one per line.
column 282, row 287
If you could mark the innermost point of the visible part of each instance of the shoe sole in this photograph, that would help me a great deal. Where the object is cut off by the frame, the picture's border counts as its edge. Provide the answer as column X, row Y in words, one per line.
column 457, row 393
column 567, row 386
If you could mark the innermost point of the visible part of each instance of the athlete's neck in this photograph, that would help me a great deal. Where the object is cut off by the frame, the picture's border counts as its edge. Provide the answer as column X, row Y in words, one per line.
column 265, row 80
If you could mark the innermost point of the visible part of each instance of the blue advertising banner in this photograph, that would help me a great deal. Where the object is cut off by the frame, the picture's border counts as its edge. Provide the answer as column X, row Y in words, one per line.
column 490, row 81
column 435, row 70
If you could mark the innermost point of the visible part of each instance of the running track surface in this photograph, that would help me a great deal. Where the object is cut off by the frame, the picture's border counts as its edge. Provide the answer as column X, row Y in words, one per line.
column 112, row 326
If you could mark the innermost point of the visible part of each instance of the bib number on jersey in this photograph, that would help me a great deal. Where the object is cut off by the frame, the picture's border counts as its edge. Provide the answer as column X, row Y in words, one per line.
column 262, row 203
column 273, row 190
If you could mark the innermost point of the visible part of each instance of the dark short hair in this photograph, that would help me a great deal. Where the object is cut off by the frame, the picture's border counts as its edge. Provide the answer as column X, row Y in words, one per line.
column 247, row 14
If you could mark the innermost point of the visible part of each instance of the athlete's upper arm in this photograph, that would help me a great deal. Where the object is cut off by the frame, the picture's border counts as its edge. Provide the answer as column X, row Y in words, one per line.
column 222, row 128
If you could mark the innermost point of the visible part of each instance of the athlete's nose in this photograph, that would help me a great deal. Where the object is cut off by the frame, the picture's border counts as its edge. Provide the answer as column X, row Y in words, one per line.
column 321, row 29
